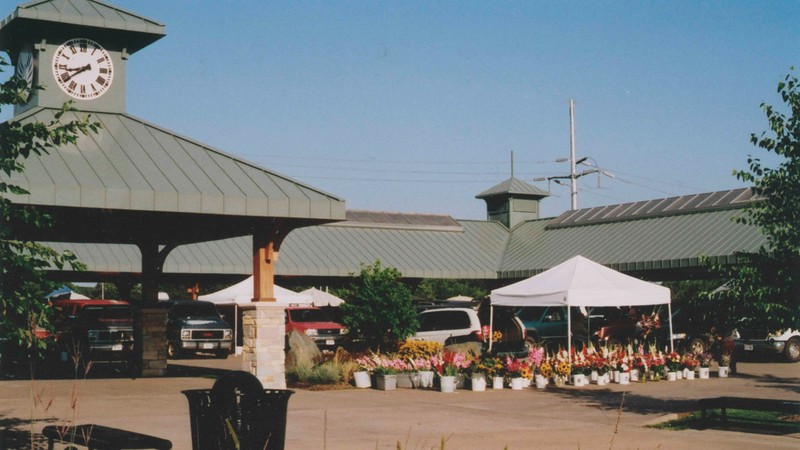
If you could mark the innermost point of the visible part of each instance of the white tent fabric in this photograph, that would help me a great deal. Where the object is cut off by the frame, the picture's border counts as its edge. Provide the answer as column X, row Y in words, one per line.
column 581, row 282
column 242, row 293
column 322, row 298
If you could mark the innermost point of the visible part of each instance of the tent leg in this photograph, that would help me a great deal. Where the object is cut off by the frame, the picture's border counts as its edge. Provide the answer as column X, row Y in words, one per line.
column 669, row 309
column 491, row 325
column 569, row 333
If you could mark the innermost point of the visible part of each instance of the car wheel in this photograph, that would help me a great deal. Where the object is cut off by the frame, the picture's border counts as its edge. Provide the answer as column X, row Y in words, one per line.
column 173, row 352
column 792, row 350
column 222, row 354
column 697, row 346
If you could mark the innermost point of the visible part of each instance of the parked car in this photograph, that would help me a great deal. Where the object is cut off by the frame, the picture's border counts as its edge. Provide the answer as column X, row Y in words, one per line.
column 315, row 323
column 195, row 326
column 688, row 333
column 785, row 343
column 548, row 325
column 94, row 330
column 459, row 324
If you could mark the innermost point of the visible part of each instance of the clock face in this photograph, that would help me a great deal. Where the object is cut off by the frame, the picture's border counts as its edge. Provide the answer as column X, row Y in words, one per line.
column 83, row 69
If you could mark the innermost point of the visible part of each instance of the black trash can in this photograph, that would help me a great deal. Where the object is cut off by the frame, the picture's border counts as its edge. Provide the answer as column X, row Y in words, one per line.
column 247, row 420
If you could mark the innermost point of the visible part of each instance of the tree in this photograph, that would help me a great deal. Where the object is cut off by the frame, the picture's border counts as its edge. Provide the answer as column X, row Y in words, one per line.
column 378, row 307
column 441, row 289
column 764, row 287
column 23, row 283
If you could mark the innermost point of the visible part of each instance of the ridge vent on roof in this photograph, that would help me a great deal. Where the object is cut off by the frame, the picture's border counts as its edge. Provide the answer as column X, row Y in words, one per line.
column 397, row 220
column 687, row 204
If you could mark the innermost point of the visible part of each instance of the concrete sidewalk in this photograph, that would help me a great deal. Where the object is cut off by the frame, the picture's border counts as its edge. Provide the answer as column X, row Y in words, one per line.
column 589, row 417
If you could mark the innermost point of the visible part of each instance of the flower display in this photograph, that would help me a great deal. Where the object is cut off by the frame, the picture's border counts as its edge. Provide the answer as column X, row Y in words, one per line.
column 487, row 365
column 546, row 369
column 689, row 361
column 647, row 324
column 674, row 361
column 515, row 368
column 418, row 350
column 536, row 356
column 705, row 359
column 450, row 364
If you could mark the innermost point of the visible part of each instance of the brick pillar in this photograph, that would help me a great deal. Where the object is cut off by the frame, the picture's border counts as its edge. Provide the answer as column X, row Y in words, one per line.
column 264, row 328
column 152, row 341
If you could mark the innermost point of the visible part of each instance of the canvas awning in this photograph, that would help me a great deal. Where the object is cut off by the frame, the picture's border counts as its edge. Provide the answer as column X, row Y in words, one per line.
column 581, row 282
column 322, row 298
column 242, row 293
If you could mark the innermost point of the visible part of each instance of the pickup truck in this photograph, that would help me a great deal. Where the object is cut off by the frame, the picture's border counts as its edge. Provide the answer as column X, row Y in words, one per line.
column 195, row 326
column 94, row 330
column 783, row 342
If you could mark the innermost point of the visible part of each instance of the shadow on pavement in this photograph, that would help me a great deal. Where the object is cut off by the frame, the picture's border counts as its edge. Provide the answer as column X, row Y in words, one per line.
column 194, row 371
column 640, row 404
column 16, row 434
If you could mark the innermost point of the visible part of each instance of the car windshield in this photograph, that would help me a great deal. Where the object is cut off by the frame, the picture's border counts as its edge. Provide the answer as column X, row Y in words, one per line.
column 94, row 314
column 308, row 315
column 195, row 310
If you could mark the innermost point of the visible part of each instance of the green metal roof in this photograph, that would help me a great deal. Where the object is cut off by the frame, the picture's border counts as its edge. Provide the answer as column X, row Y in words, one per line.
column 430, row 246
column 664, row 242
column 138, row 31
column 513, row 186
column 134, row 165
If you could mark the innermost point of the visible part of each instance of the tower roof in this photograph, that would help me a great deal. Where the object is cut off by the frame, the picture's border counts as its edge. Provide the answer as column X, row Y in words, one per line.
column 516, row 187
column 136, row 31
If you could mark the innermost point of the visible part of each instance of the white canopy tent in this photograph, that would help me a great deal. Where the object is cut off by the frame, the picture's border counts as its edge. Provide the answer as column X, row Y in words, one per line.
column 581, row 282
column 242, row 293
column 322, row 298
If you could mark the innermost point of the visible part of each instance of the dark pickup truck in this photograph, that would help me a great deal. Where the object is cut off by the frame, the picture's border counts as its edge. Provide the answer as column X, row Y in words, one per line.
column 195, row 326
column 94, row 330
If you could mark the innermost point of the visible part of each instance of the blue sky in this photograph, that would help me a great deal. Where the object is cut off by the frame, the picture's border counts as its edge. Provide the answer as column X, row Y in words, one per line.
column 416, row 106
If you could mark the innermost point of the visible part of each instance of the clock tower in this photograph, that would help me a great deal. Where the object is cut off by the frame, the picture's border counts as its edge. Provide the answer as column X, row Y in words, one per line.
column 76, row 50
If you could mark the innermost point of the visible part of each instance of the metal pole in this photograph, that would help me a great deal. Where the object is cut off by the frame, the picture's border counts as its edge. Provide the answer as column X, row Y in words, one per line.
column 491, row 325
column 569, row 332
column 669, row 309
column 573, row 175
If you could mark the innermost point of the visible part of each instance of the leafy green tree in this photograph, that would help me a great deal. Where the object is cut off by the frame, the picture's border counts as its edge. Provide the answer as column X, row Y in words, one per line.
column 378, row 307
column 441, row 289
column 23, row 263
column 764, row 287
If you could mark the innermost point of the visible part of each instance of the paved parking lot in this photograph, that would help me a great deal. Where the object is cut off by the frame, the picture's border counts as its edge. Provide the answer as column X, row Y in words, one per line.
column 591, row 417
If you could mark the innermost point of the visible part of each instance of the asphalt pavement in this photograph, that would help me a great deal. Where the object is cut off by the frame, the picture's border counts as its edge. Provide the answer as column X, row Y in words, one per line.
column 612, row 416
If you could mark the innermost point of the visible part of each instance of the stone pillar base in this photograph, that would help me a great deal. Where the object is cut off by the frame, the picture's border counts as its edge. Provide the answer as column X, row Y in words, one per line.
column 264, row 330
column 152, row 341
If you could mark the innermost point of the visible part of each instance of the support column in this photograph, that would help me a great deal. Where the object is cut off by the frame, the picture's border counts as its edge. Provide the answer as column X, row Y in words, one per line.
column 265, row 253
column 150, row 325
column 263, row 354
column 264, row 321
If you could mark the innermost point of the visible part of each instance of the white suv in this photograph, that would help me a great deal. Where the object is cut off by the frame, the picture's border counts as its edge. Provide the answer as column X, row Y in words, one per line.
column 449, row 326
column 455, row 325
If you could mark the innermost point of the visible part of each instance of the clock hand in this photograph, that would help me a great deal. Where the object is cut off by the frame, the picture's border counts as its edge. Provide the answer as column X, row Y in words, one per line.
column 79, row 70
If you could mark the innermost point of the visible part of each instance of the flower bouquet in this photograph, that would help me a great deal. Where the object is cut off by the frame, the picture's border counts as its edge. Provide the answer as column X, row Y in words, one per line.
column 689, row 363
column 705, row 360
column 674, row 363
column 516, row 370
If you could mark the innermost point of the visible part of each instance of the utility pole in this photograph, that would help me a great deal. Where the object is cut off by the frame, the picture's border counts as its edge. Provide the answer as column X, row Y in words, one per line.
column 573, row 173
column 573, row 162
